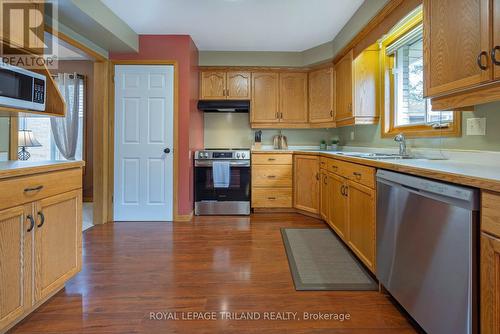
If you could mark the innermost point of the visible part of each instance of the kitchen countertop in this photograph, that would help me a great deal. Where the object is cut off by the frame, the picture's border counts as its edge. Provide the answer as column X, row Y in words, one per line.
column 483, row 176
column 14, row 168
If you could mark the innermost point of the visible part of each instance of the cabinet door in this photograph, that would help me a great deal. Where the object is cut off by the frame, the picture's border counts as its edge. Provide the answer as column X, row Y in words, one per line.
column 293, row 97
column 324, row 195
column 337, row 206
column 213, row 85
column 15, row 263
column 343, row 88
column 58, row 242
column 361, row 216
column 306, row 183
column 321, row 97
column 490, row 284
column 238, row 85
column 456, row 33
column 496, row 37
column 265, row 97
column 366, row 72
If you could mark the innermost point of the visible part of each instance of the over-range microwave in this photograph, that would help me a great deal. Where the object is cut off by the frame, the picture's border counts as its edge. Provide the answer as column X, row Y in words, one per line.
column 22, row 89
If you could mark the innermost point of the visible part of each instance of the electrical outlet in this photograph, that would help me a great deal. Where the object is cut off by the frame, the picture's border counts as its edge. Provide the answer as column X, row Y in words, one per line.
column 352, row 135
column 476, row 127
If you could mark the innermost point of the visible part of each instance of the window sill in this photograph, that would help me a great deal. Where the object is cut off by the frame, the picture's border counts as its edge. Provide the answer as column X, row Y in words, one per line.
column 425, row 131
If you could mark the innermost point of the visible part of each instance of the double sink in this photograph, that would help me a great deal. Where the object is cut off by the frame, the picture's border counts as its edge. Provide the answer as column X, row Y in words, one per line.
column 374, row 156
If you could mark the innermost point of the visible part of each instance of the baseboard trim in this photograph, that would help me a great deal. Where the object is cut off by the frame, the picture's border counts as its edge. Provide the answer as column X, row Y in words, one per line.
column 184, row 218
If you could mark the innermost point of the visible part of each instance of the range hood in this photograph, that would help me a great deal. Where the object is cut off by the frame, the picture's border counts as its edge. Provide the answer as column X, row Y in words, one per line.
column 224, row 105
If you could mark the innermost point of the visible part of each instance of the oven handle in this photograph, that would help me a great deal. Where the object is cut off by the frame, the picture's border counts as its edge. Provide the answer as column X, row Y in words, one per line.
column 208, row 163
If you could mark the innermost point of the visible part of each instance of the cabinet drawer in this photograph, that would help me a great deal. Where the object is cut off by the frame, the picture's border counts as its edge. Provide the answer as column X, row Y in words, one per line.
column 271, row 159
column 272, row 197
column 361, row 174
column 20, row 190
column 323, row 163
column 335, row 166
column 272, row 176
column 490, row 215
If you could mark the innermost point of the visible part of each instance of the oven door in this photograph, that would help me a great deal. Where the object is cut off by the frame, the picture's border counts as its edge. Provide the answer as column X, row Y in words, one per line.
column 232, row 200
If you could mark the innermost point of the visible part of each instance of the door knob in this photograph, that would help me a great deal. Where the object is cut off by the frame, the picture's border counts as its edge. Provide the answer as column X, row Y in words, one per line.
column 166, row 151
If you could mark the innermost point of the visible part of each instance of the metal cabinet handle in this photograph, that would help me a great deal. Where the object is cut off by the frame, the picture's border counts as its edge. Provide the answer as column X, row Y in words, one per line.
column 277, row 115
column 32, row 223
column 317, row 176
column 494, row 55
column 346, row 191
column 335, row 167
column 271, row 176
column 358, row 175
column 271, row 198
column 271, row 159
column 342, row 190
column 42, row 219
column 27, row 190
column 480, row 60
column 325, row 180
column 331, row 113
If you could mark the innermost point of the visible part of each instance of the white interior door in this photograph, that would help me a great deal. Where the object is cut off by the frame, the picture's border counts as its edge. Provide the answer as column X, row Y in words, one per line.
column 144, row 112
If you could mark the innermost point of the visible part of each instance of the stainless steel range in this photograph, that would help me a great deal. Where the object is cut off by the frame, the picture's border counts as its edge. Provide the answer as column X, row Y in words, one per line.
column 216, row 197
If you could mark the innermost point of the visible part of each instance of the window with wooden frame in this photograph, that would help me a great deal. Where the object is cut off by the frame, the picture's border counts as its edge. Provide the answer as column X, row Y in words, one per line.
column 405, row 108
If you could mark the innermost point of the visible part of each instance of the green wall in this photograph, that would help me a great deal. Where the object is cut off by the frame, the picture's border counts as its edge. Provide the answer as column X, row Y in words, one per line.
column 4, row 134
column 369, row 135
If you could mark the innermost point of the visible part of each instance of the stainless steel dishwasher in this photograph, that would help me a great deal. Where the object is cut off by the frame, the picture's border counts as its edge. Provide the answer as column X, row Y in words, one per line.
column 427, row 238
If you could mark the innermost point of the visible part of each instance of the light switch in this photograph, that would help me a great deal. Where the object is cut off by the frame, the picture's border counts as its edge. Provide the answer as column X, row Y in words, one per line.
column 476, row 127
column 352, row 135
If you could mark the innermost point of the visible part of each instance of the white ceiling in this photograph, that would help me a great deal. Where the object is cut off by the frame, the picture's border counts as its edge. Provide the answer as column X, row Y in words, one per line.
column 240, row 25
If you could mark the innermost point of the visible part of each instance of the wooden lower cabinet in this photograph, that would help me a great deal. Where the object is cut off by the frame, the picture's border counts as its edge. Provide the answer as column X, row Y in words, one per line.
column 361, row 221
column 40, row 244
column 15, row 260
column 323, row 195
column 306, row 183
column 57, row 242
column 337, row 209
column 490, row 284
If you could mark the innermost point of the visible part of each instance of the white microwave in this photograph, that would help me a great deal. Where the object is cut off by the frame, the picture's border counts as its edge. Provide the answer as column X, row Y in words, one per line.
column 22, row 89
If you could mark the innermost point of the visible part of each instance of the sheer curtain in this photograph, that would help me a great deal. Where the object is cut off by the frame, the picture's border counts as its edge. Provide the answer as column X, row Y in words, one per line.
column 65, row 130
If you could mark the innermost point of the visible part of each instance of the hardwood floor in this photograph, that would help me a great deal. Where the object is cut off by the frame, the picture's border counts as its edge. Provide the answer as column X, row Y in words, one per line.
column 213, row 264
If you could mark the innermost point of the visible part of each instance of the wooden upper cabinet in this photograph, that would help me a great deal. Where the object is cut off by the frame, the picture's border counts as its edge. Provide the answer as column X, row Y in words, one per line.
column 456, row 39
column 496, row 39
column 344, row 88
column 15, row 267
column 265, row 98
column 57, row 241
column 357, row 88
column 306, row 183
column 293, row 97
column 321, row 95
column 213, row 85
column 238, row 85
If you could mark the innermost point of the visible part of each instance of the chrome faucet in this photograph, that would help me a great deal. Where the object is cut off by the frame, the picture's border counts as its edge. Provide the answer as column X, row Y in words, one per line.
column 401, row 139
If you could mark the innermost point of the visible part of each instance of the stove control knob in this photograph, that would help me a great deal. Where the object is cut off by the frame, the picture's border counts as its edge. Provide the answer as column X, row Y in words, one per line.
column 243, row 155
column 237, row 155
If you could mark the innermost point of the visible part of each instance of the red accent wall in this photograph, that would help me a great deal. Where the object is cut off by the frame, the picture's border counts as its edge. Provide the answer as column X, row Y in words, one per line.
column 190, row 121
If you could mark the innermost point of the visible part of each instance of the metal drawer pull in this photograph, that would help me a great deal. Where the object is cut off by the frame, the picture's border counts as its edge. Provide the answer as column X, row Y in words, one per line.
column 335, row 167
column 480, row 60
column 42, row 219
column 27, row 190
column 271, row 159
column 494, row 55
column 317, row 176
column 32, row 223
column 271, row 198
column 358, row 175
column 271, row 176
column 342, row 190
column 325, row 180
